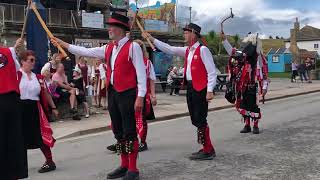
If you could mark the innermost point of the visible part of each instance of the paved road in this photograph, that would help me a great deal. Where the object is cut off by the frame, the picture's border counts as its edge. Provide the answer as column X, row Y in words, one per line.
column 288, row 148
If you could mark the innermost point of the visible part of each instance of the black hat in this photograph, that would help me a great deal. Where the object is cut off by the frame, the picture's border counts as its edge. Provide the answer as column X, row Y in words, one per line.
column 119, row 20
column 193, row 28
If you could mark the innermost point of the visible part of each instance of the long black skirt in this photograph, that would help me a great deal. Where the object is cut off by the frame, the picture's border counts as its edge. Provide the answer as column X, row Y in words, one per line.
column 31, row 124
column 13, row 154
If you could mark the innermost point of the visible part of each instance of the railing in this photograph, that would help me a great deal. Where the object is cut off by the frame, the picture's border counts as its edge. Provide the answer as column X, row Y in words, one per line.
column 14, row 13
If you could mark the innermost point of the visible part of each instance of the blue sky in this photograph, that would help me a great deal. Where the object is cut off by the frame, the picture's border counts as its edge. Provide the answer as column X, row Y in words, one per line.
column 267, row 17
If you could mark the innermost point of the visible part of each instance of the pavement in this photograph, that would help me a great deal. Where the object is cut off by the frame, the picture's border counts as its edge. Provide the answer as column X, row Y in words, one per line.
column 288, row 148
column 170, row 107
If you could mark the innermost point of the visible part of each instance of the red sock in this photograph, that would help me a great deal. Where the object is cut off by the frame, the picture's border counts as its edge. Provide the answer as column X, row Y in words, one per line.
column 207, row 147
column 247, row 121
column 255, row 123
column 47, row 153
column 133, row 157
column 144, row 132
column 124, row 160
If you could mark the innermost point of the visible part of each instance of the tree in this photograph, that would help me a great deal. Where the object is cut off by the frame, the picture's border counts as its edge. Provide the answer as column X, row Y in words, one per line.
column 277, row 37
column 270, row 37
column 236, row 39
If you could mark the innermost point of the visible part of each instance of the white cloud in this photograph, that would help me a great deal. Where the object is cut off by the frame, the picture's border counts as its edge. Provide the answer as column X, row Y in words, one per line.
column 251, row 15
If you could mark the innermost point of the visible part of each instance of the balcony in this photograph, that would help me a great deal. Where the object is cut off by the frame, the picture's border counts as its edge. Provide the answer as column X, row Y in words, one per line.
column 14, row 15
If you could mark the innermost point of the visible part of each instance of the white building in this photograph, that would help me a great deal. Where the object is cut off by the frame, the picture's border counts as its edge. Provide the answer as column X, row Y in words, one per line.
column 307, row 38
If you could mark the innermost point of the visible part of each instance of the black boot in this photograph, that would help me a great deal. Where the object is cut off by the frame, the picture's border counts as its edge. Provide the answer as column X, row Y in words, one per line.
column 47, row 167
column 143, row 147
column 112, row 148
column 255, row 130
column 201, row 156
column 131, row 176
column 246, row 129
column 117, row 173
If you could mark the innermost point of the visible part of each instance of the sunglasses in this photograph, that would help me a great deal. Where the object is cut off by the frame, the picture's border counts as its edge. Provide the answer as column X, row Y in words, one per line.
column 32, row 60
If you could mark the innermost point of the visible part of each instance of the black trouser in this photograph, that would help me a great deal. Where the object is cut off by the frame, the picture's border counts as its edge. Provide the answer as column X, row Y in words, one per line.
column 13, row 154
column 294, row 74
column 121, row 109
column 197, row 106
column 175, row 86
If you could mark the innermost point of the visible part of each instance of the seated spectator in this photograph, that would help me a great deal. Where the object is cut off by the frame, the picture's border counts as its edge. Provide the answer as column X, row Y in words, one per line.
column 52, row 65
column 50, row 84
column 78, row 83
column 65, row 90
column 174, row 83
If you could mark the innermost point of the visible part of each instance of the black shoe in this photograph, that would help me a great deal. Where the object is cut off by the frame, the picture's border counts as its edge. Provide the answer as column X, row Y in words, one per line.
column 131, row 176
column 76, row 117
column 143, row 147
column 73, row 111
column 255, row 130
column 195, row 153
column 200, row 156
column 246, row 129
column 117, row 173
column 112, row 148
column 47, row 167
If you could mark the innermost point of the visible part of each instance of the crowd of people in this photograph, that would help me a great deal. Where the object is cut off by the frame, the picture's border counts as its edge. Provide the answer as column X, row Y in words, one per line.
column 87, row 81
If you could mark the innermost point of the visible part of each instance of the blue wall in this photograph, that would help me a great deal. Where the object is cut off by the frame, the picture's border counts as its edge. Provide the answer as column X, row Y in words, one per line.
column 279, row 66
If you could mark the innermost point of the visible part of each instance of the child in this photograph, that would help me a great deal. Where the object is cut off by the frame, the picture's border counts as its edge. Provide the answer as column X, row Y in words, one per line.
column 77, row 82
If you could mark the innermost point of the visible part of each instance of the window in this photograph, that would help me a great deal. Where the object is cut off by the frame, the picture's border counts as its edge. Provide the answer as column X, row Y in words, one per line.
column 275, row 59
column 316, row 46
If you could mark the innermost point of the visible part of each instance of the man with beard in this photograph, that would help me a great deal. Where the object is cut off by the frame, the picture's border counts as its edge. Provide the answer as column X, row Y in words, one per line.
column 126, row 84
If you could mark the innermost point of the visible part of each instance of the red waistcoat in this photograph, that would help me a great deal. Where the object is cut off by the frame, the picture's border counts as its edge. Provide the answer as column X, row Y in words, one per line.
column 124, row 73
column 198, row 70
column 8, row 72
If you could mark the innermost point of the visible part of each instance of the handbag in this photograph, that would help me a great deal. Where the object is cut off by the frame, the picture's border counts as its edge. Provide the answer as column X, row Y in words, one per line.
column 230, row 94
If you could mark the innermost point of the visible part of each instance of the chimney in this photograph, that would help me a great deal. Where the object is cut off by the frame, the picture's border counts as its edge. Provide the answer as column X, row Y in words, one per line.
column 297, row 25
column 293, row 42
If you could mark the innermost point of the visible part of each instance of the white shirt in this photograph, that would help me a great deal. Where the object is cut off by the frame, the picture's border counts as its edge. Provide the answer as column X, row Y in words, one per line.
column 152, row 74
column 15, row 58
column 102, row 71
column 229, row 49
column 135, row 54
column 206, row 57
column 29, row 89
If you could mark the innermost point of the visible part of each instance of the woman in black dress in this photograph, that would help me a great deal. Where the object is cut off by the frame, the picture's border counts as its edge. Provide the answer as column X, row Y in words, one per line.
column 34, row 108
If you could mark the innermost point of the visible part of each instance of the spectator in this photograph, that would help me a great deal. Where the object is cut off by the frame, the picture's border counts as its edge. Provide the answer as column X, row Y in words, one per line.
column 181, row 71
column 302, row 72
column 97, row 82
column 52, row 65
column 65, row 90
column 85, row 70
column 308, row 69
column 78, row 83
column 294, row 68
column 103, row 89
column 174, row 83
column 50, row 84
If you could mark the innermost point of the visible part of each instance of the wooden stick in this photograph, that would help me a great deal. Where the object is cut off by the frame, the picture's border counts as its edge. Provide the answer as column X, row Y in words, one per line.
column 35, row 10
column 25, row 20
column 142, row 30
